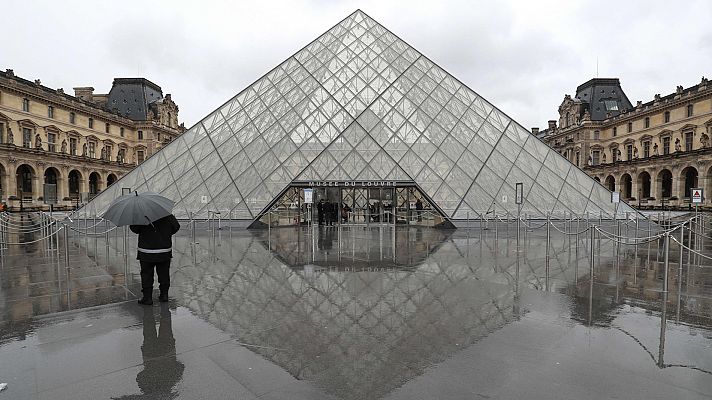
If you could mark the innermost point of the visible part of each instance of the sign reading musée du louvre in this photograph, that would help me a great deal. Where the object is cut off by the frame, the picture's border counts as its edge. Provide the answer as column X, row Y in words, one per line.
column 352, row 183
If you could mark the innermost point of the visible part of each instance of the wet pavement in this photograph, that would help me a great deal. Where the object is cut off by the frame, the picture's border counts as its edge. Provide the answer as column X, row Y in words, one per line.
column 358, row 313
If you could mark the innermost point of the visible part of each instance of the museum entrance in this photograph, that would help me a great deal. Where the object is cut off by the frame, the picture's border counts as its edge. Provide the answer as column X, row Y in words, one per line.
column 352, row 203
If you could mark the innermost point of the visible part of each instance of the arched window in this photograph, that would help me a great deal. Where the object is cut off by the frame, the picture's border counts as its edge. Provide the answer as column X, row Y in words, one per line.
column 644, row 185
column 93, row 184
column 74, row 181
column 689, row 179
column 25, row 174
column 665, row 183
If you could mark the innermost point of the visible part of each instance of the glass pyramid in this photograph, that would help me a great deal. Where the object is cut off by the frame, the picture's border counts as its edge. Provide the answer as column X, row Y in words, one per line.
column 359, row 104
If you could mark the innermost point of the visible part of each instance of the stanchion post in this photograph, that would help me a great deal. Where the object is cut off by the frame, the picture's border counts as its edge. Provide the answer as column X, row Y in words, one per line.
column 663, row 316
column 689, row 246
column 548, row 248
column 126, row 255
column 591, row 277
column 66, row 264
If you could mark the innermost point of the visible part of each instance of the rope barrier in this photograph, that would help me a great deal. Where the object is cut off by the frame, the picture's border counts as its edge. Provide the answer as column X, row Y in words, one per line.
column 33, row 241
column 91, row 233
column 692, row 250
column 635, row 241
column 569, row 233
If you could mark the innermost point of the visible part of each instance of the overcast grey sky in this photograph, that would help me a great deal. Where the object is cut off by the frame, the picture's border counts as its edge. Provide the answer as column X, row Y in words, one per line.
column 522, row 56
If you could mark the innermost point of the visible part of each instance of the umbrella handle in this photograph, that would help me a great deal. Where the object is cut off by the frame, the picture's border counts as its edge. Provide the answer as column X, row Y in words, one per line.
column 149, row 222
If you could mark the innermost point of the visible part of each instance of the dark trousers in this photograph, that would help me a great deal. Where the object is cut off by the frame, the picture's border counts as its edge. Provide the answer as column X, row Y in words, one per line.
column 162, row 269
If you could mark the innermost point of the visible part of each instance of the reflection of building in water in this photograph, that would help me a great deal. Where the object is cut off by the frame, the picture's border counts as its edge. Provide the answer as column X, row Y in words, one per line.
column 355, row 334
column 353, row 247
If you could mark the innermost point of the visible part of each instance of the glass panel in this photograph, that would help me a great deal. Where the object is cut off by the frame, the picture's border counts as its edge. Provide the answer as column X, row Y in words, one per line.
column 202, row 149
column 160, row 181
column 541, row 198
column 488, row 180
column 550, row 181
column 452, row 148
column 181, row 164
column 531, row 163
column 411, row 163
column 480, row 148
column 508, row 148
column 479, row 200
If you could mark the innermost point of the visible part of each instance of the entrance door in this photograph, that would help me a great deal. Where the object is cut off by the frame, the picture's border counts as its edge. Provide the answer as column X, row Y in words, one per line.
column 380, row 205
column 326, row 206
column 354, row 205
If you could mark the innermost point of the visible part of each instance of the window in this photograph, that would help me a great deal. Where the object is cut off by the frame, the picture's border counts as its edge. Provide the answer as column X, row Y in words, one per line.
column 629, row 151
column 121, row 156
column 107, row 127
column 596, row 135
column 27, row 138
column 50, row 112
column 666, row 145
column 689, row 110
column 121, row 131
column 140, row 135
column 72, row 146
column 26, row 104
column 107, row 153
column 2, row 132
column 646, row 149
column 667, row 116
column 578, row 158
column 139, row 156
column 611, row 105
column 595, row 156
column 72, row 118
column 614, row 155
column 51, row 142
column 92, row 149
column 615, row 130
column 688, row 141
column 647, row 122
column 91, row 123
column 630, row 127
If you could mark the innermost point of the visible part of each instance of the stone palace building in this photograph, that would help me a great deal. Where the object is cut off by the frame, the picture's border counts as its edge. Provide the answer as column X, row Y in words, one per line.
column 651, row 153
column 64, row 149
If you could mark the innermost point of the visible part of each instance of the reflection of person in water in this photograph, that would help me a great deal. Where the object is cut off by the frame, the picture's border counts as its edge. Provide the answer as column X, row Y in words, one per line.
column 320, row 211
column 161, row 368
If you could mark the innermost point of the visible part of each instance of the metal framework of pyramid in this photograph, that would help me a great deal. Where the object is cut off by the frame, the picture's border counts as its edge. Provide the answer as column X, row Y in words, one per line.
column 358, row 103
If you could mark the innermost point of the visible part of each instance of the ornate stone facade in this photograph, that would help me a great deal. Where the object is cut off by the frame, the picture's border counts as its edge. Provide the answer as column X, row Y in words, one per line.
column 652, row 154
column 82, row 143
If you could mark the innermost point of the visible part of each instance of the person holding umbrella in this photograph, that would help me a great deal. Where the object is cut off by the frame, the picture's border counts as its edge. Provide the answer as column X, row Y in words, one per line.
column 148, row 215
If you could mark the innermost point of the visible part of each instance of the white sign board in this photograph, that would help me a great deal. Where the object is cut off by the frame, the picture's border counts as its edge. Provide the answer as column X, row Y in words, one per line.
column 697, row 195
column 615, row 197
column 519, row 193
column 50, row 193
column 308, row 196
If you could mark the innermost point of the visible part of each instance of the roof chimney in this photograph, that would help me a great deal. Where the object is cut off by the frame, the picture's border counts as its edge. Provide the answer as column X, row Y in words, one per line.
column 85, row 93
column 10, row 73
column 552, row 124
column 535, row 131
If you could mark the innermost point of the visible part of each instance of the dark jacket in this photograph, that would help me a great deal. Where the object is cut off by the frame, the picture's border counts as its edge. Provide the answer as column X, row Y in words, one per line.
column 156, row 237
